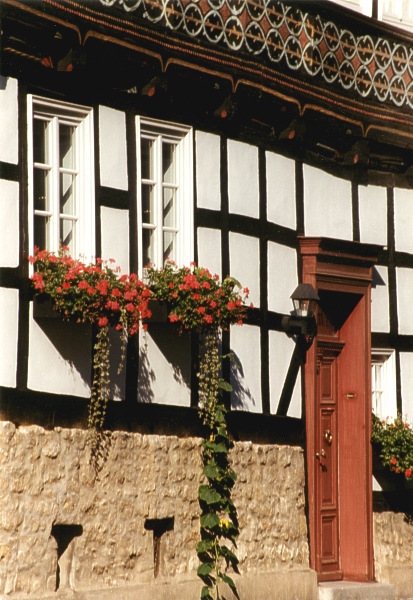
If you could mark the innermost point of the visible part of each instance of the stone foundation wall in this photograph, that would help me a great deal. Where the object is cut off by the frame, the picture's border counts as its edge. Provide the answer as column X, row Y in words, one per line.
column 393, row 551
column 138, row 523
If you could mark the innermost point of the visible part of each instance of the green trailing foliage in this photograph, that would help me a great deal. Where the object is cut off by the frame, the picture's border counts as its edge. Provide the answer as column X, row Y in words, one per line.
column 218, row 521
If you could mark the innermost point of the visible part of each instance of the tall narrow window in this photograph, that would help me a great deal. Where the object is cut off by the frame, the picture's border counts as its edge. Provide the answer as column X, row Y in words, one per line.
column 383, row 383
column 165, row 194
column 61, row 176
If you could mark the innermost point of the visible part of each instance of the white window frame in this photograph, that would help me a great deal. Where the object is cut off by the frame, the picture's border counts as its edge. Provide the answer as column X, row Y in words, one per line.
column 182, row 136
column 384, row 392
column 81, row 118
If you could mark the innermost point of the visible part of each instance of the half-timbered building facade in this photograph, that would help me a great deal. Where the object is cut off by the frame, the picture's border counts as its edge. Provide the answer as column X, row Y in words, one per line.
column 270, row 141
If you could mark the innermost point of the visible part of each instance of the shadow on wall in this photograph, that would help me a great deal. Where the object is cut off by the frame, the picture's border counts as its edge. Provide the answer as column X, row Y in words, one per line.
column 72, row 341
column 241, row 396
column 377, row 279
column 164, row 361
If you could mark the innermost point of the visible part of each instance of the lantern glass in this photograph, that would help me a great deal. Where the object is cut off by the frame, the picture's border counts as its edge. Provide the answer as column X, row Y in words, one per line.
column 304, row 299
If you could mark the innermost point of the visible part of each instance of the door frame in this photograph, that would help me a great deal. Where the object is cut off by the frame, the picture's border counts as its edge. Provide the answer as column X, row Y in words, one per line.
column 346, row 267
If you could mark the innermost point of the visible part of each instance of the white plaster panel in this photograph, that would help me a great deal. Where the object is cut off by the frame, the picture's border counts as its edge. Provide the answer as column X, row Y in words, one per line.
column 112, row 145
column 209, row 249
column 243, row 189
column 9, row 134
column 115, row 236
column 282, row 277
column 373, row 214
column 327, row 205
column 9, row 219
column 244, row 263
column 406, row 373
column 403, row 220
column 246, row 370
column 59, row 356
column 9, row 303
column 404, row 278
column 281, row 190
column 281, row 350
column 380, row 316
column 164, row 366
column 208, row 170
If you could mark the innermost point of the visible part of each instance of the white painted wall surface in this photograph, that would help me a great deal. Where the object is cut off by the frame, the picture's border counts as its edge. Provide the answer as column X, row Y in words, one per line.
column 282, row 277
column 9, row 220
column 208, row 170
column 9, row 133
column 243, row 190
column 59, row 356
column 112, row 146
column 404, row 282
column 281, row 349
column 9, row 303
column 380, row 315
column 406, row 371
column 373, row 214
column 209, row 249
column 246, row 378
column 403, row 220
column 115, row 236
column 281, row 190
column 327, row 205
column 164, row 366
column 244, row 263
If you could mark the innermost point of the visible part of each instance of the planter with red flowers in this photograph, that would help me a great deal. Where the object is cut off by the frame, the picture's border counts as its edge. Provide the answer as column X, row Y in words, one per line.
column 394, row 440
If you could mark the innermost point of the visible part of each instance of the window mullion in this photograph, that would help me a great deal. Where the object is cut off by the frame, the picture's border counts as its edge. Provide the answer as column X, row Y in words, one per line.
column 54, row 186
column 158, row 203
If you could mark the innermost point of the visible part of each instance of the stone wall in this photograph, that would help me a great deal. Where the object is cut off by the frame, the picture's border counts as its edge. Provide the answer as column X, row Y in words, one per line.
column 138, row 523
column 393, row 551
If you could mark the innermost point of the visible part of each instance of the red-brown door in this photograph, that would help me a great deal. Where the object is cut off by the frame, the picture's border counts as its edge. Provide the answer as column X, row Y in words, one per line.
column 338, row 409
column 326, row 462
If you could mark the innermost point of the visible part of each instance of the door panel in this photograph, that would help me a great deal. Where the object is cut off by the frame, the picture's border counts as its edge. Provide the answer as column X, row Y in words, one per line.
column 328, row 549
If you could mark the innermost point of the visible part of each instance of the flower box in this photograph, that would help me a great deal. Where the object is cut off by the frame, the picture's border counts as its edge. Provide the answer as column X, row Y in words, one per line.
column 43, row 308
column 159, row 311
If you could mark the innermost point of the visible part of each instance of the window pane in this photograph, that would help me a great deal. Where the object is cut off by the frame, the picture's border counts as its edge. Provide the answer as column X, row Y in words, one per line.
column 67, row 194
column 40, row 190
column 168, row 163
column 66, row 147
column 169, row 245
column 147, row 204
column 67, row 234
column 40, row 153
column 147, row 148
column 41, row 232
column 169, row 207
column 148, row 255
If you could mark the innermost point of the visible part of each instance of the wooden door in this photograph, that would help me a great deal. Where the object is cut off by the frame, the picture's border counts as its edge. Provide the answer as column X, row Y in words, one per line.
column 326, row 462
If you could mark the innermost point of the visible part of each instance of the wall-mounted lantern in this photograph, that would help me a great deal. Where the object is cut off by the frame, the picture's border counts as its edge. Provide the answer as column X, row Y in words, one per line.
column 302, row 321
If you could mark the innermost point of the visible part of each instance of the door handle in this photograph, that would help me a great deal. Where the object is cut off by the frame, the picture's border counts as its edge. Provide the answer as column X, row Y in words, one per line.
column 327, row 436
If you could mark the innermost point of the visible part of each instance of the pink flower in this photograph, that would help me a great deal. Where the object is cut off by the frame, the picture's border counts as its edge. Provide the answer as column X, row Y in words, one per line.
column 208, row 318
column 173, row 317
column 213, row 304
column 230, row 305
column 130, row 307
column 102, row 321
column 116, row 292
column 206, row 285
column 196, row 297
column 91, row 291
column 83, row 285
column 408, row 472
column 201, row 310
column 393, row 461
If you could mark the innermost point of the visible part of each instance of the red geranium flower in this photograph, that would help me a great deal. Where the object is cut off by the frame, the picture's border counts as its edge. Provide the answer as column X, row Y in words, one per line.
column 102, row 321
column 393, row 461
column 173, row 317
column 408, row 472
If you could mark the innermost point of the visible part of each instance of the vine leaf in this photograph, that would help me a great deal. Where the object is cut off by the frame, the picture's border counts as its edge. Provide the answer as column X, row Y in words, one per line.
column 205, row 569
column 209, row 520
